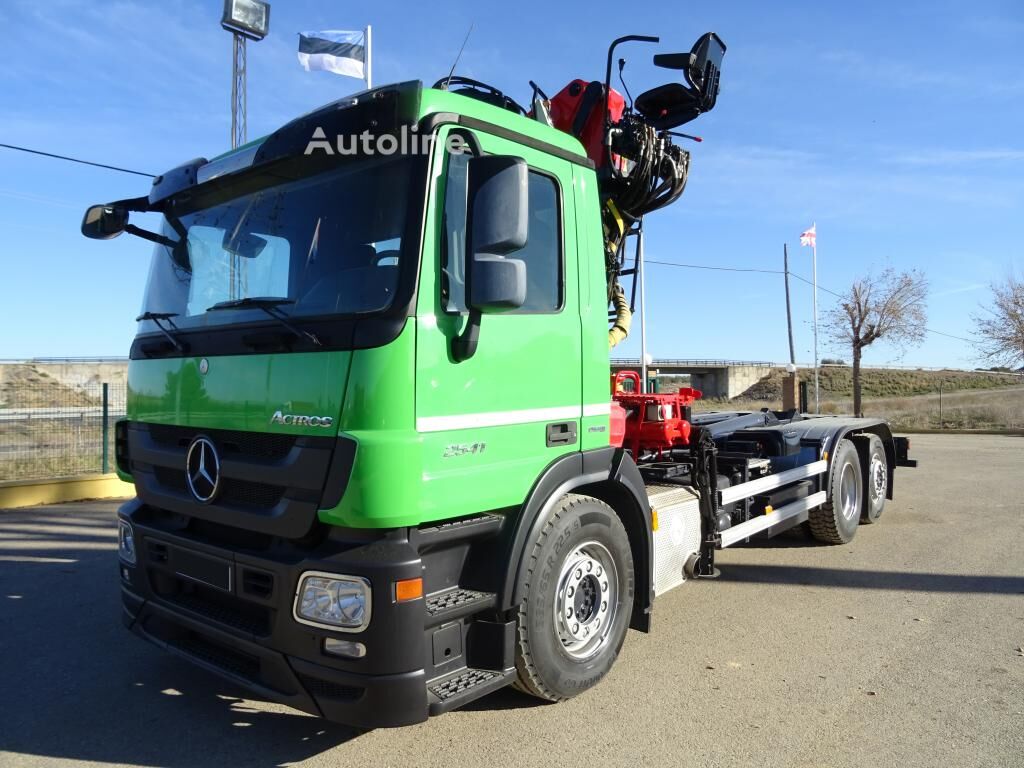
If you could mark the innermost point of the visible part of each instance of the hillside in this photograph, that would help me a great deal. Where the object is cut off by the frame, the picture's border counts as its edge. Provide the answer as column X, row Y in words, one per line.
column 25, row 386
column 837, row 383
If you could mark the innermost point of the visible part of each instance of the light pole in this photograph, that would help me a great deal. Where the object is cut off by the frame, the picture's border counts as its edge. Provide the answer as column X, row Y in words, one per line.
column 245, row 20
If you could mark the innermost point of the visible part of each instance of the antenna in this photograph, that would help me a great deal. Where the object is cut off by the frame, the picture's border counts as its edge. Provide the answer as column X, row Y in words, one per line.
column 456, row 62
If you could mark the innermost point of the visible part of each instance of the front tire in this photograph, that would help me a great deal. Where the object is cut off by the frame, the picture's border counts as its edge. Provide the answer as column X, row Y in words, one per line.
column 577, row 599
column 835, row 521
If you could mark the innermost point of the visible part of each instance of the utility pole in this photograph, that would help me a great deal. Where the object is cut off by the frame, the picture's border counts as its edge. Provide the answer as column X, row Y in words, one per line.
column 789, row 314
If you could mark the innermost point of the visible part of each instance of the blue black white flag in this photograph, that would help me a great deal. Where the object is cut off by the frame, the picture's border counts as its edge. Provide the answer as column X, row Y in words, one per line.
column 343, row 53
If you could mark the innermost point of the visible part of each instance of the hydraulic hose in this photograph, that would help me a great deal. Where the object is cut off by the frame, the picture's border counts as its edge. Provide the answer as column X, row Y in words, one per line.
column 623, row 317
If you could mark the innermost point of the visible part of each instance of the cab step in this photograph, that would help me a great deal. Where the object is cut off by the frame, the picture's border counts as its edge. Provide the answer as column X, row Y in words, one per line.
column 455, row 530
column 457, row 602
column 465, row 685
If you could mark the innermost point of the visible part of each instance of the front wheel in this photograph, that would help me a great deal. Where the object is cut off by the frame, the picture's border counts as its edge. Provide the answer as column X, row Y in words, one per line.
column 577, row 599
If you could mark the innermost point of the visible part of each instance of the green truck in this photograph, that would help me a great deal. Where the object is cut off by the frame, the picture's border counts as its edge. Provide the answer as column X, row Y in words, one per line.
column 379, row 468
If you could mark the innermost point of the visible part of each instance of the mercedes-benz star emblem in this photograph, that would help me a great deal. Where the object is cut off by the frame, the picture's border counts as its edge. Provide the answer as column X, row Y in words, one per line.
column 202, row 470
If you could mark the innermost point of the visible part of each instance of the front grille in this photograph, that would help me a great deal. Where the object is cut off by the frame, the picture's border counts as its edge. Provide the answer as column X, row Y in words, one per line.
column 257, row 445
column 216, row 606
column 234, row 492
column 270, row 483
column 173, row 479
column 248, row 494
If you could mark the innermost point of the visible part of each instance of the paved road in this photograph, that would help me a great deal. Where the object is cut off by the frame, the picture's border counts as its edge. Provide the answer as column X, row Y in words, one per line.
column 898, row 650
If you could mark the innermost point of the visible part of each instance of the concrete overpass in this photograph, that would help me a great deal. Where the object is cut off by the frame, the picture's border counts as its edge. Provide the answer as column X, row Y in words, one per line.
column 715, row 378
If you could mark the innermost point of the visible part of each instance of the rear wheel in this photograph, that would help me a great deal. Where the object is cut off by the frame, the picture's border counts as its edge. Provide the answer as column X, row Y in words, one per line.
column 835, row 521
column 876, row 477
column 578, row 594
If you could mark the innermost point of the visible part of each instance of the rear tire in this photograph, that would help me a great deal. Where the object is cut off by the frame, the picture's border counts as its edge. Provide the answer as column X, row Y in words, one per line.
column 876, row 477
column 835, row 521
column 577, row 599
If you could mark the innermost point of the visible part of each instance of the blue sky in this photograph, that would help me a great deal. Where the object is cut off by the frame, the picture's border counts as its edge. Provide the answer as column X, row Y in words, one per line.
column 897, row 127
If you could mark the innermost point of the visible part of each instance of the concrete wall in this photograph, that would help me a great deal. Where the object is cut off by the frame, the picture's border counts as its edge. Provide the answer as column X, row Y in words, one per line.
column 727, row 382
column 29, row 493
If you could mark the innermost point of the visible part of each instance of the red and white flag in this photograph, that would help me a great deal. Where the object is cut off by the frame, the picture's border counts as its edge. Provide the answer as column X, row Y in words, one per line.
column 810, row 236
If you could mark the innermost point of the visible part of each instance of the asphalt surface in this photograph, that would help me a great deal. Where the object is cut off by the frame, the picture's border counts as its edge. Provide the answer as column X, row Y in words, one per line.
column 898, row 650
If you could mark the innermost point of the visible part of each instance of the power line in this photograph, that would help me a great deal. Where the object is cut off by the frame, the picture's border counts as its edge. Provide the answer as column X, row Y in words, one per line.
column 793, row 274
column 76, row 160
column 840, row 296
column 717, row 269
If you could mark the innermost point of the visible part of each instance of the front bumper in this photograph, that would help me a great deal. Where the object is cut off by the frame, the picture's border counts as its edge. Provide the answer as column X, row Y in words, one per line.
column 246, row 632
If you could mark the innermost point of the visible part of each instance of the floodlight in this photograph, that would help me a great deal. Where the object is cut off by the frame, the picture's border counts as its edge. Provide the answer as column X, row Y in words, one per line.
column 250, row 18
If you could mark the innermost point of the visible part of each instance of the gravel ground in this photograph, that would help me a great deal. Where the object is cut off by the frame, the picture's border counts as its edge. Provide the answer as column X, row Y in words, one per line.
column 901, row 649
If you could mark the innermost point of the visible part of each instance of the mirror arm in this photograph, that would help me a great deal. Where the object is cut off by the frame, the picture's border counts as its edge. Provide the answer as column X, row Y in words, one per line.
column 153, row 237
column 464, row 345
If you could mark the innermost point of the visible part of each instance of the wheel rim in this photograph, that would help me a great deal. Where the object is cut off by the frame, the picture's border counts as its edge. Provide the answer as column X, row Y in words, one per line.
column 586, row 600
column 849, row 491
column 879, row 477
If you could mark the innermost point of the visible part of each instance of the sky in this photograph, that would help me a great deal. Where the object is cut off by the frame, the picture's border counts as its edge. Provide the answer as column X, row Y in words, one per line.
column 898, row 128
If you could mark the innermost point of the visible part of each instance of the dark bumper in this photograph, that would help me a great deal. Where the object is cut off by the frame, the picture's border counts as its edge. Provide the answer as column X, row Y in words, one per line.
column 247, row 634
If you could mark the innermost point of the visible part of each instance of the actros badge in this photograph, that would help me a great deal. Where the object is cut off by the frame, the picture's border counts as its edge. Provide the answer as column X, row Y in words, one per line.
column 291, row 419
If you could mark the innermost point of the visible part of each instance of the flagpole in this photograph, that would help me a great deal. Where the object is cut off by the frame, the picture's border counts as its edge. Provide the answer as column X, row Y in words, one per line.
column 814, row 276
column 369, row 57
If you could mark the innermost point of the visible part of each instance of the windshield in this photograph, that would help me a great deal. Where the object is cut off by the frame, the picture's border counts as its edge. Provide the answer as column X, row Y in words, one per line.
column 325, row 245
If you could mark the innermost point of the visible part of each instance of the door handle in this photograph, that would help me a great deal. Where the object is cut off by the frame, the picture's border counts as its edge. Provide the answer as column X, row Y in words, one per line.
column 561, row 433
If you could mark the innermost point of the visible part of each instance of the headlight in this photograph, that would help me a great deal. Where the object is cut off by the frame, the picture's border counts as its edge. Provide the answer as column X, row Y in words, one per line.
column 333, row 602
column 125, row 542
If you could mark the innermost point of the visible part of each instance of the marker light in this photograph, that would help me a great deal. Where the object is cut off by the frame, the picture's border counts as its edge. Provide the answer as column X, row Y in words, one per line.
column 125, row 542
column 332, row 601
column 408, row 589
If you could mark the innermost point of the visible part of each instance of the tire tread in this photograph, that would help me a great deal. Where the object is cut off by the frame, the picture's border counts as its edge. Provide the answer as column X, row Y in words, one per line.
column 527, row 680
column 824, row 520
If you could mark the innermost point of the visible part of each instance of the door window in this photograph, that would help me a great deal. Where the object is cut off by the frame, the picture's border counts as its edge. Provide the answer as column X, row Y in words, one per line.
column 542, row 253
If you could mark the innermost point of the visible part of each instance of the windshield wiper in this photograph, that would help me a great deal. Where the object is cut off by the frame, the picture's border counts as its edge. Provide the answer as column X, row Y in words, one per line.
column 270, row 305
column 158, row 319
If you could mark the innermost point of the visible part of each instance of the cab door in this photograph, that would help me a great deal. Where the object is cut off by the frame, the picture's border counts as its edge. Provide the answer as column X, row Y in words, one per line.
column 489, row 425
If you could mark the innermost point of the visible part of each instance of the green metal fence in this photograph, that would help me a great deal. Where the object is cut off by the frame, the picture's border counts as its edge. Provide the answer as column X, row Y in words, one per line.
column 56, row 426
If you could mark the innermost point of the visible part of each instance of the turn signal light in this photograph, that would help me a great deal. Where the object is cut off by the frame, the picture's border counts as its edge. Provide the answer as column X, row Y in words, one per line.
column 408, row 589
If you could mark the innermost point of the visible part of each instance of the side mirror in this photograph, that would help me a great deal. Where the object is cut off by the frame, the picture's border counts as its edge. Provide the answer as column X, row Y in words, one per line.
column 102, row 222
column 497, row 224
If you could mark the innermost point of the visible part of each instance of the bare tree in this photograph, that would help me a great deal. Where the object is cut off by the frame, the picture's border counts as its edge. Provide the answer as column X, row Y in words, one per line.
column 1000, row 325
column 889, row 306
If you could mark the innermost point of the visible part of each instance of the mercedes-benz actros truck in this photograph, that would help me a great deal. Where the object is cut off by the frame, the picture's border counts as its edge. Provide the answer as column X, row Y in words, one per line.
column 381, row 465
